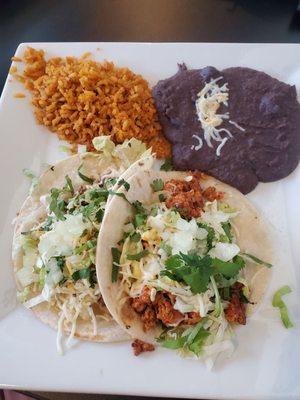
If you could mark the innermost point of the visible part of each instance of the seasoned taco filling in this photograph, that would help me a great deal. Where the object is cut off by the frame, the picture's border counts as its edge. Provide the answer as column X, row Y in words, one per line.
column 57, row 253
column 181, row 268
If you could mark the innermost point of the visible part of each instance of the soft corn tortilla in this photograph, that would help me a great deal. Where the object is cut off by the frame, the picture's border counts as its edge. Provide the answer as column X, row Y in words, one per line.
column 33, row 211
column 251, row 231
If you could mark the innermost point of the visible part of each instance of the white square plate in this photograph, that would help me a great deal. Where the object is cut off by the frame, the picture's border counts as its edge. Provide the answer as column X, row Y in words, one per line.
column 266, row 363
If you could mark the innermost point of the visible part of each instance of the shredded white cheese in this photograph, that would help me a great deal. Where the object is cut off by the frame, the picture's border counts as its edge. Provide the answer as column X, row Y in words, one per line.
column 207, row 104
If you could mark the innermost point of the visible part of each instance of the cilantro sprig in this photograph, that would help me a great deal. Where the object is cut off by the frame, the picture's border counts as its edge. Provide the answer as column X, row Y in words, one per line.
column 116, row 254
column 122, row 182
column 167, row 165
column 196, row 271
column 57, row 205
column 84, row 177
column 227, row 229
column 137, row 256
column 157, row 185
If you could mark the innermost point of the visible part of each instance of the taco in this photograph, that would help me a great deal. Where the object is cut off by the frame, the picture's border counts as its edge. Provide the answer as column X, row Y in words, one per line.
column 55, row 236
column 182, row 261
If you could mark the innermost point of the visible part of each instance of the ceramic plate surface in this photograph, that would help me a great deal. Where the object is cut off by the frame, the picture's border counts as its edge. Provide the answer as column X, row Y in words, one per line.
column 266, row 363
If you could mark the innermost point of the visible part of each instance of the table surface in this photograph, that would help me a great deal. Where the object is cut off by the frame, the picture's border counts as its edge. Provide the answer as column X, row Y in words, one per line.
column 142, row 21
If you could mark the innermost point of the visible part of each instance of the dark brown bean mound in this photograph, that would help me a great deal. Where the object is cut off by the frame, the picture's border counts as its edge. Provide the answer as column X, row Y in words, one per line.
column 266, row 108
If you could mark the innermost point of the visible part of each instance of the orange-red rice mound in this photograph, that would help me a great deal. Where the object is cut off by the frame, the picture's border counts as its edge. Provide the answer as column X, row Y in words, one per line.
column 80, row 99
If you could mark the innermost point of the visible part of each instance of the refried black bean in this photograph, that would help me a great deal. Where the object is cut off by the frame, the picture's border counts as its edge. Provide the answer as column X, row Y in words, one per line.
column 265, row 107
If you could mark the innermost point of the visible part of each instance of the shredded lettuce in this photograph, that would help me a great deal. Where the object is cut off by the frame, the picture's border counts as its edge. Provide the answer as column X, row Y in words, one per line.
column 28, row 242
column 32, row 176
column 278, row 302
column 65, row 149
column 130, row 151
column 104, row 144
column 218, row 303
column 193, row 339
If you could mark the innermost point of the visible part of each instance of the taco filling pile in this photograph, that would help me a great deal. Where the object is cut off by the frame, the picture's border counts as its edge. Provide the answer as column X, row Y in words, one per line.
column 181, row 271
column 56, row 237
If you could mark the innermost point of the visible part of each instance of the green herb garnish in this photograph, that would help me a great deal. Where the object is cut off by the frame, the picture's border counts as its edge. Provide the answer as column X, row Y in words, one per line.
column 167, row 165
column 228, row 268
column 60, row 260
column 139, row 219
column 137, row 256
column 157, row 185
column 138, row 207
column 161, row 197
column 99, row 215
column 69, row 185
column 84, row 177
column 191, row 269
column 116, row 254
column 256, row 260
column 196, row 271
column 135, row 237
column 227, row 229
column 46, row 225
column 84, row 273
column 122, row 182
column 210, row 234
column 57, row 205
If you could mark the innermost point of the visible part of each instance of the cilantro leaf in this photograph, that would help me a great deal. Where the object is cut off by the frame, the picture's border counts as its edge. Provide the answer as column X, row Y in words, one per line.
column 161, row 197
column 57, row 205
column 60, row 260
column 122, row 182
column 109, row 182
column 84, row 273
column 192, row 269
column 69, row 185
column 157, row 185
column 135, row 237
column 278, row 302
column 99, row 215
column 137, row 256
column 46, row 225
column 199, row 277
column 139, row 219
column 196, row 271
column 116, row 254
column 113, row 193
column 167, row 165
column 228, row 268
column 210, row 234
column 257, row 260
column 227, row 229
column 138, row 207
column 84, row 177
